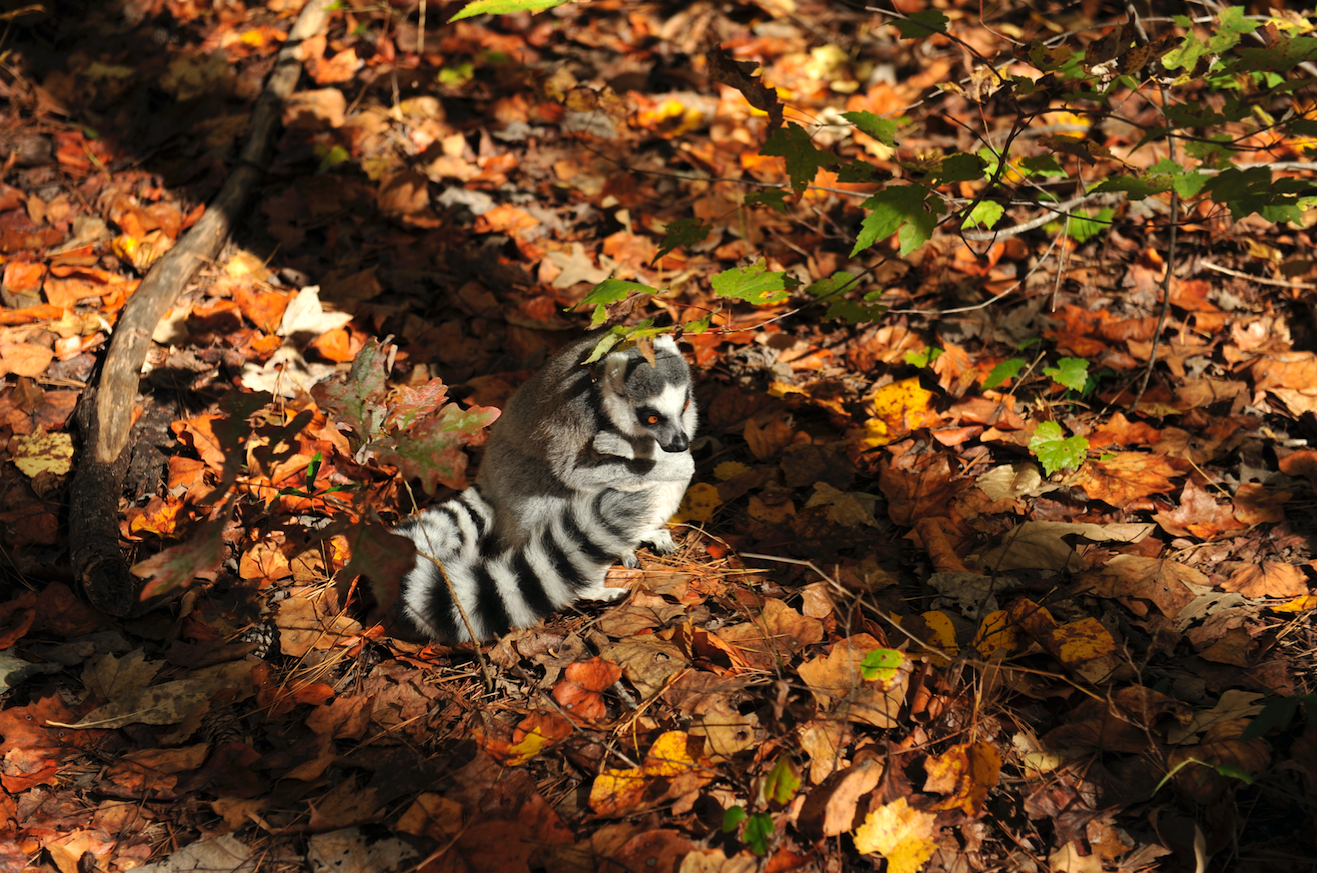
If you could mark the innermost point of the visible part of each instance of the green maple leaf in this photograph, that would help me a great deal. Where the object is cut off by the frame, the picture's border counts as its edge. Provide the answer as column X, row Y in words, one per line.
column 804, row 159
column 910, row 211
column 1051, row 446
column 919, row 24
column 1008, row 369
column 1070, row 372
column 754, row 284
column 683, row 233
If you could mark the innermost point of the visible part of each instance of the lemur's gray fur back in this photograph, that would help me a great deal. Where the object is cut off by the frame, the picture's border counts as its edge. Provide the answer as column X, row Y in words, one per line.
column 585, row 465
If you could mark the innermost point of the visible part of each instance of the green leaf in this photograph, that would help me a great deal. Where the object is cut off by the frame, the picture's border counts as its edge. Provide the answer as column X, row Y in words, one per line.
column 1007, row 369
column 834, row 284
column 733, row 817
column 613, row 290
column 861, row 172
column 881, row 129
column 960, row 167
column 432, row 450
column 684, row 232
column 1042, row 165
column 1276, row 714
column 804, row 159
column 1054, row 450
column 920, row 24
column 985, row 213
column 758, row 830
column 1070, row 372
column 503, row 7
column 924, row 358
column 910, row 209
column 782, row 782
column 622, row 335
column 754, row 284
column 774, row 198
column 1134, row 187
column 1084, row 225
column 882, row 664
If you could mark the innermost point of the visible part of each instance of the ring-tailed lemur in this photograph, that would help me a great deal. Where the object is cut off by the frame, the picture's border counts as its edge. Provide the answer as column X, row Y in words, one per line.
column 586, row 464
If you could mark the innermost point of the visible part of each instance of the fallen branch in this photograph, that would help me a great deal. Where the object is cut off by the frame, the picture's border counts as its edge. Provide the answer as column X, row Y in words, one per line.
column 94, row 551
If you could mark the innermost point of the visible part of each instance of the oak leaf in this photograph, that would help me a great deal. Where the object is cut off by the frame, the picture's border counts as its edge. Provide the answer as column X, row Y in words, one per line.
column 1126, row 477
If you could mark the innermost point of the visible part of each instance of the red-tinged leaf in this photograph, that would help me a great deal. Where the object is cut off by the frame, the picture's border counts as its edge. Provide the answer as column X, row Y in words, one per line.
column 382, row 556
column 432, row 450
column 180, row 565
column 413, row 404
column 358, row 402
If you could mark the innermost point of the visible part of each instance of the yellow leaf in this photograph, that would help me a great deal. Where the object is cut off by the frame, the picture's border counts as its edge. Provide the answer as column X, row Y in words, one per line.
column 965, row 773
column 1298, row 604
column 670, row 769
column 900, row 408
column 998, row 636
column 699, row 503
column 729, row 470
column 902, row 835
column 944, row 632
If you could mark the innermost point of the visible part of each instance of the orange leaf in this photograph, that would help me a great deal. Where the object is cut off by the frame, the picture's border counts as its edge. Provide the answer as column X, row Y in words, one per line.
column 965, row 772
column 1126, row 477
column 1267, row 579
column 673, row 767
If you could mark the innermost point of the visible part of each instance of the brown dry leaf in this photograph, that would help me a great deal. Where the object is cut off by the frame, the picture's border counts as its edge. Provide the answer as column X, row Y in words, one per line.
column 68, row 850
column 916, row 486
column 1129, row 720
column 830, row 809
column 1126, row 477
column 1267, row 579
column 1168, row 585
column 315, row 109
column 580, row 691
column 1120, row 431
column 1199, row 515
column 433, row 816
column 674, row 766
column 1068, row 860
column 306, row 622
column 154, row 773
column 965, row 773
column 768, row 437
column 955, row 370
column 24, row 359
column 840, row 688
column 647, row 661
column 130, row 701
column 1258, row 504
column 1301, row 463
column 823, row 740
column 1221, row 746
column 905, row 837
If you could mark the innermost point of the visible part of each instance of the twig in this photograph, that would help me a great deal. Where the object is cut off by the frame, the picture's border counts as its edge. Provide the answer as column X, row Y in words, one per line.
column 1280, row 283
column 98, row 482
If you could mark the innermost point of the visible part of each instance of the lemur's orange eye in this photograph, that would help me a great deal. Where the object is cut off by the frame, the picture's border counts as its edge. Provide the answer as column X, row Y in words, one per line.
column 653, row 419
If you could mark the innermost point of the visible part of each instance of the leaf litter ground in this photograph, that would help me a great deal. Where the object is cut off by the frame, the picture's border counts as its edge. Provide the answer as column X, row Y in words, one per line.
column 942, row 657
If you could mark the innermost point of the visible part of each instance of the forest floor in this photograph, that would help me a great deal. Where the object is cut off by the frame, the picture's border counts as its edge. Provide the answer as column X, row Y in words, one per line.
column 912, row 625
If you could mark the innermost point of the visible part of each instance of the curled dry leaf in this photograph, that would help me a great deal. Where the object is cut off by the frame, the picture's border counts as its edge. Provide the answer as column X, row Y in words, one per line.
column 580, row 692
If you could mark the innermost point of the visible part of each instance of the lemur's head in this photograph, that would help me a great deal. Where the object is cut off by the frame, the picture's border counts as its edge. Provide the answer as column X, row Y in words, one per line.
column 651, row 401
